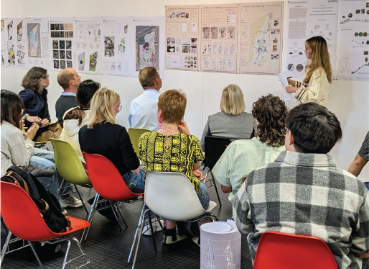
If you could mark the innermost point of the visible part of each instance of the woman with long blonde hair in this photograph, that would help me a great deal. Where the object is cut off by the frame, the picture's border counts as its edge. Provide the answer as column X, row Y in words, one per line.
column 103, row 136
column 315, row 85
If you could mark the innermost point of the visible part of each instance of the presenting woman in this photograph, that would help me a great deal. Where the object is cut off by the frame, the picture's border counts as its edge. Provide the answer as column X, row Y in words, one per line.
column 315, row 85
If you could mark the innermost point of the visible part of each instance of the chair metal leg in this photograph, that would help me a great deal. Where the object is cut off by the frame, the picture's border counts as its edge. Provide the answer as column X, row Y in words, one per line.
column 80, row 197
column 139, row 238
column 138, row 227
column 35, row 253
column 90, row 217
column 215, row 186
column 115, row 214
column 86, row 261
column 158, row 220
column 3, row 251
column 152, row 233
column 120, row 213
column 61, row 186
column 66, row 254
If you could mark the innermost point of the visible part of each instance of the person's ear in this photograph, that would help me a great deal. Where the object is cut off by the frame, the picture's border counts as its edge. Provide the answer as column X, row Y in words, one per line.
column 290, row 138
column 160, row 115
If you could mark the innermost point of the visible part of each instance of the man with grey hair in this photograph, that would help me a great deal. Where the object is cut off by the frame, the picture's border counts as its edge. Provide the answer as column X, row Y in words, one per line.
column 69, row 80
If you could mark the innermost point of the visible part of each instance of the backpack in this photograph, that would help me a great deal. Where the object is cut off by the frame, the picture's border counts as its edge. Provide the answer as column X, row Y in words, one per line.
column 47, row 203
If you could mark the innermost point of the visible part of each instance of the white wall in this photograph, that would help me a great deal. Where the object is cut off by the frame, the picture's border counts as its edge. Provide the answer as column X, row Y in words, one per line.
column 348, row 100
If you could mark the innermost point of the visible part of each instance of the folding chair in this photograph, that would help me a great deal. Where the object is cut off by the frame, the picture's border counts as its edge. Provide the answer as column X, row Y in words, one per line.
column 289, row 251
column 214, row 148
column 171, row 196
column 22, row 217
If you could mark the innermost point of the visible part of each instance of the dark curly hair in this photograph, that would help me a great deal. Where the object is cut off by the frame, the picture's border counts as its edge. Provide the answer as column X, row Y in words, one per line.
column 270, row 112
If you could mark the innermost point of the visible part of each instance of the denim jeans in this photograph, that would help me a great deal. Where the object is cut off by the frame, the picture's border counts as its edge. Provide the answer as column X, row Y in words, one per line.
column 366, row 185
column 45, row 158
column 204, row 195
column 135, row 182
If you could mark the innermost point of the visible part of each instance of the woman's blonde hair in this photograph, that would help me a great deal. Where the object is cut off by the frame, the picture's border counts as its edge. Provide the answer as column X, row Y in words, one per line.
column 102, row 107
column 319, row 58
column 232, row 100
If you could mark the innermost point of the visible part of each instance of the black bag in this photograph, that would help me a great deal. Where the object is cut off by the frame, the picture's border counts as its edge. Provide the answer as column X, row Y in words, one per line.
column 46, row 202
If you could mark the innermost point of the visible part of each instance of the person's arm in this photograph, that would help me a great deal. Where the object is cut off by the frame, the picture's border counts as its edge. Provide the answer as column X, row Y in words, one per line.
column 46, row 118
column 226, row 189
column 360, row 236
column 22, row 150
column 129, row 156
column 242, row 215
column 205, row 133
column 357, row 165
column 315, row 90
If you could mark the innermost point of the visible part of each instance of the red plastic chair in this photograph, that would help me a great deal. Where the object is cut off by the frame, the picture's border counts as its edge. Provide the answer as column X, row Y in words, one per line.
column 108, row 183
column 22, row 217
column 290, row 251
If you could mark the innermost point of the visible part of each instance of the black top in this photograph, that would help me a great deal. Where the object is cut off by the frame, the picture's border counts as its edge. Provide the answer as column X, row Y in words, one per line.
column 35, row 104
column 62, row 105
column 111, row 141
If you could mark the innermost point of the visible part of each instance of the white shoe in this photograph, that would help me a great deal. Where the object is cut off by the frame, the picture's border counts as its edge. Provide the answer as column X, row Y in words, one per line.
column 155, row 226
column 70, row 201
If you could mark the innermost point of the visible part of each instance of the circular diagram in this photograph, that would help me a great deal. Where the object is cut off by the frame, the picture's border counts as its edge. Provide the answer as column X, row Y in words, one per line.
column 291, row 67
column 299, row 67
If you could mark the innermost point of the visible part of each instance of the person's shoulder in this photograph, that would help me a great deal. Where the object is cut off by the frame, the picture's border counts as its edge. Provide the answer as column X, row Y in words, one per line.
column 9, row 129
column 26, row 92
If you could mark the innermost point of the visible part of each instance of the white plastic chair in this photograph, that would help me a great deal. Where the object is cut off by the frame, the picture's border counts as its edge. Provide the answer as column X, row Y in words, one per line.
column 170, row 195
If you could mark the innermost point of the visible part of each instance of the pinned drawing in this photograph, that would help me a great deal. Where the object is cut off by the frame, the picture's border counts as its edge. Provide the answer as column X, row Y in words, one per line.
column 34, row 42
column 20, row 31
column 20, row 54
column 260, row 38
column 10, row 30
column 11, row 54
column 81, row 61
column 343, row 65
column 122, row 47
column 93, row 62
column 147, row 47
column 109, row 46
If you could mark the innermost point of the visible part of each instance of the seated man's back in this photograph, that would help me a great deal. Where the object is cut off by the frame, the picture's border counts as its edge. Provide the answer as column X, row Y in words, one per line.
column 303, row 192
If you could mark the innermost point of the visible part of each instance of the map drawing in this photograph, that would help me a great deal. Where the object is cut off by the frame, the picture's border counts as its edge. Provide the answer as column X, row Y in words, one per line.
column 260, row 38
column 34, row 43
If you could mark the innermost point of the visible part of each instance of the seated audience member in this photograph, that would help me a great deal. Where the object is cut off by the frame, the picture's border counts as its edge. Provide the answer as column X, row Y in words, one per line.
column 142, row 110
column 304, row 192
column 34, row 96
column 243, row 156
column 103, row 136
column 232, row 121
column 361, row 159
column 176, row 150
column 77, row 117
column 15, row 149
column 69, row 80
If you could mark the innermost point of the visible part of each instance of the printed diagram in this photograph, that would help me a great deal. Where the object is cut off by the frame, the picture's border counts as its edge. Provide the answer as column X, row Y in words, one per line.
column 20, row 31
column 147, row 47
column 93, row 61
column 343, row 65
column 34, row 43
column 109, row 46
column 259, row 32
column 20, row 54
column 364, row 65
column 81, row 61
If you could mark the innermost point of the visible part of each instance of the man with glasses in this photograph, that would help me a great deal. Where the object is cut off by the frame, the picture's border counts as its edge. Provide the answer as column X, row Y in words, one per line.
column 69, row 80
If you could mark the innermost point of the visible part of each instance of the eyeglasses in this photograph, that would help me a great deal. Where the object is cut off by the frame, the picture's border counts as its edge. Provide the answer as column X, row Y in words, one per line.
column 46, row 77
column 120, row 107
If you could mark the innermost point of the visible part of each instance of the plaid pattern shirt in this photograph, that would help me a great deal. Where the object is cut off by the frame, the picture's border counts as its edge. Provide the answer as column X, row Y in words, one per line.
column 306, row 194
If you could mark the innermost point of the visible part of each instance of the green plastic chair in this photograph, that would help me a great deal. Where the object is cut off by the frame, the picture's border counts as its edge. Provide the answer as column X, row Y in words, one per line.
column 134, row 135
column 69, row 166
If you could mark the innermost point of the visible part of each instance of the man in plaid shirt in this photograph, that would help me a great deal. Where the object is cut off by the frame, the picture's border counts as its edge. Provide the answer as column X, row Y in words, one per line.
column 303, row 192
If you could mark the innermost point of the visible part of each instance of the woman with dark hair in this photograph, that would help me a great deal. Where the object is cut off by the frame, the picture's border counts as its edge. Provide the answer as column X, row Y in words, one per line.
column 76, row 118
column 243, row 156
column 16, row 149
column 34, row 96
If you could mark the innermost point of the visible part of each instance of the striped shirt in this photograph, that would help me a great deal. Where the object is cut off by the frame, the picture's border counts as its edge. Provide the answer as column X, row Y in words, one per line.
column 306, row 194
